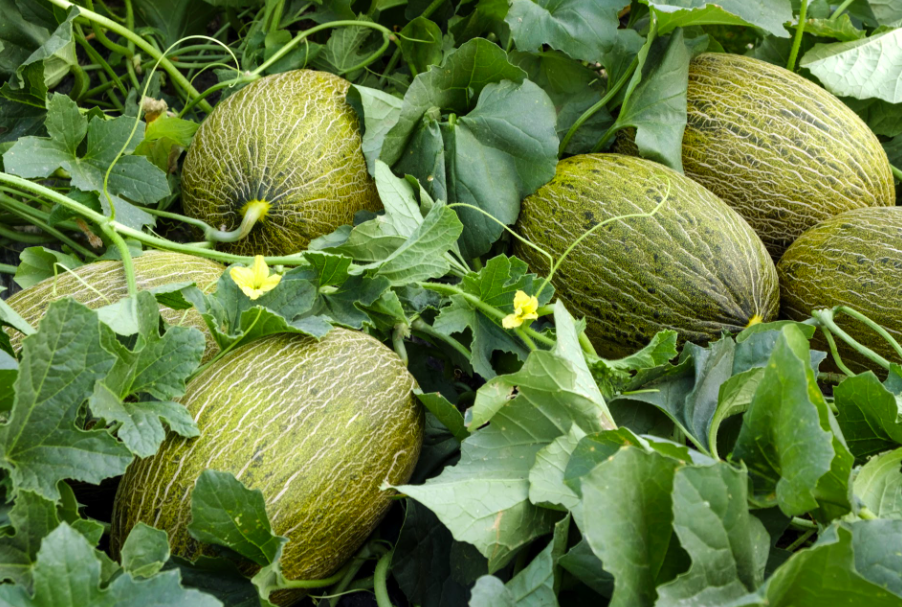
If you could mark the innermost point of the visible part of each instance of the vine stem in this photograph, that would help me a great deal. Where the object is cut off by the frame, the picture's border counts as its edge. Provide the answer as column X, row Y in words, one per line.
column 841, row 9
column 126, row 33
column 797, row 41
column 380, row 580
column 147, row 239
column 612, row 92
column 425, row 328
column 825, row 319
column 897, row 173
column 5, row 268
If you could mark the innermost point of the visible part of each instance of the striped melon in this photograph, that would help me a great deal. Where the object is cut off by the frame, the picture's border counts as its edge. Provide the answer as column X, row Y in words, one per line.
column 776, row 147
column 291, row 141
column 695, row 267
column 316, row 426
column 853, row 259
column 103, row 282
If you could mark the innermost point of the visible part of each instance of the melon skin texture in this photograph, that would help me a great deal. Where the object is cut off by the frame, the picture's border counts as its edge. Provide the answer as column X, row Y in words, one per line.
column 779, row 149
column 695, row 266
column 853, row 259
column 317, row 427
column 103, row 282
column 290, row 140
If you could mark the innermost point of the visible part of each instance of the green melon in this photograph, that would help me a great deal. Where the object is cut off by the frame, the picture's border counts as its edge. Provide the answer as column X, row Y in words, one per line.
column 289, row 140
column 776, row 147
column 103, row 282
column 317, row 427
column 695, row 267
column 853, row 259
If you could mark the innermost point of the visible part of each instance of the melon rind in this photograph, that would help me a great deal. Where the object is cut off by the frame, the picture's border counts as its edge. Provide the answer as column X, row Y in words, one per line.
column 290, row 140
column 853, row 259
column 779, row 149
column 695, row 267
column 317, row 427
column 103, row 282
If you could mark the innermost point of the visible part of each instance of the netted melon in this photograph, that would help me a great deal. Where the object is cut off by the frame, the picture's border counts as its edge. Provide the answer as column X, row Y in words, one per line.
column 290, row 142
column 855, row 260
column 103, row 282
column 695, row 266
column 317, row 426
column 776, row 147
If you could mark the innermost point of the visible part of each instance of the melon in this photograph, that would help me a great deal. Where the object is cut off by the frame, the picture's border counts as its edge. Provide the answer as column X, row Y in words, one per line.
column 317, row 426
column 290, row 142
column 103, row 282
column 695, row 267
column 855, row 260
column 779, row 149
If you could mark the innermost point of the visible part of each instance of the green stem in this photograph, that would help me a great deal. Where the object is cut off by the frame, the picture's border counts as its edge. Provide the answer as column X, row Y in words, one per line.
column 524, row 337
column 102, row 39
column 142, row 44
column 831, row 343
column 825, row 319
column 841, row 9
column 873, row 326
column 96, row 58
column 380, row 580
column 797, row 41
column 7, row 269
column 81, row 82
column 801, row 540
column 291, row 584
column 392, row 62
column 802, row 523
column 127, row 263
column 606, row 137
column 147, row 239
column 425, row 328
column 586, row 344
column 612, row 92
column 397, row 337
column 22, row 236
column 130, row 45
column 897, row 173
column 866, row 514
column 46, row 227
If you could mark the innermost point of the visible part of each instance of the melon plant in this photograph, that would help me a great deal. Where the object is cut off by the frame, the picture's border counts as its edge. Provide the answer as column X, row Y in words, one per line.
column 779, row 149
column 103, row 282
column 317, row 426
column 854, row 260
column 288, row 148
column 695, row 266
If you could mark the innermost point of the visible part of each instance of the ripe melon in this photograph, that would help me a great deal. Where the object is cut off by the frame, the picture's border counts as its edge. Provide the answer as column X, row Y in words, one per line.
column 316, row 426
column 103, row 282
column 776, row 147
column 291, row 141
column 695, row 267
column 853, row 259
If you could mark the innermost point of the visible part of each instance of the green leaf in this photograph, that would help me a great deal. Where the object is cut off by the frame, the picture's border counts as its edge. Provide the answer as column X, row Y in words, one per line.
column 789, row 439
column 727, row 545
column 174, row 19
column 769, row 15
column 145, row 551
column 378, row 112
column 344, row 49
column 862, row 69
column 869, row 414
column 883, row 118
column 132, row 177
column 655, row 102
column 735, row 397
column 226, row 513
column 33, row 518
column 421, row 44
column 445, row 411
column 44, row 68
column 484, row 499
column 573, row 88
column 218, row 577
column 585, row 566
column 841, row 28
column 583, row 29
column 886, row 12
column 879, row 485
column 546, row 478
column 496, row 284
column 68, row 574
column 19, row 37
column 38, row 263
column 633, row 490
column 827, row 574
column 497, row 146
column 60, row 363
column 535, row 586
column 9, row 371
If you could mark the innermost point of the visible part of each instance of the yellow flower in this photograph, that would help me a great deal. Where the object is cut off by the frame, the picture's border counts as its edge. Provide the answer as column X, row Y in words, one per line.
column 525, row 307
column 257, row 280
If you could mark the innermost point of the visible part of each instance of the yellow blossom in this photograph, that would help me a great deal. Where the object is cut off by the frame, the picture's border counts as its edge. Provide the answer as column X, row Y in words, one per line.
column 257, row 280
column 525, row 307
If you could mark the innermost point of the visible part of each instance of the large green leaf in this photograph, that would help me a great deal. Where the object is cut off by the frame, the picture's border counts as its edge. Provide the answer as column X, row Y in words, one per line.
column 769, row 15
column 68, row 574
column 41, row 444
column 789, row 438
column 728, row 546
column 133, row 177
column 32, row 518
column 862, row 69
column 869, row 414
column 584, row 29
column 879, row 485
column 175, row 19
column 145, row 551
